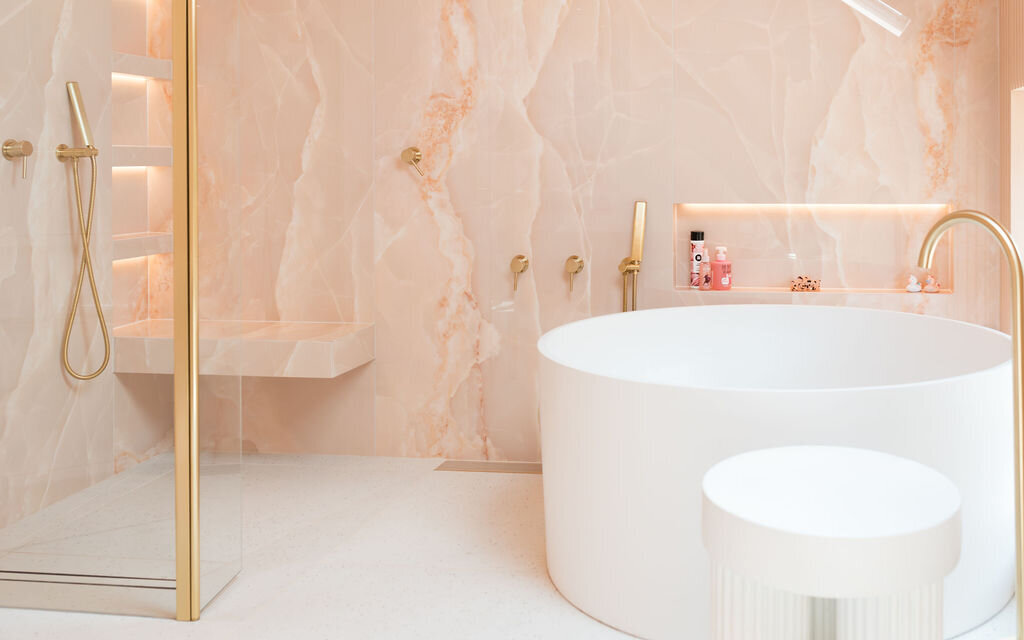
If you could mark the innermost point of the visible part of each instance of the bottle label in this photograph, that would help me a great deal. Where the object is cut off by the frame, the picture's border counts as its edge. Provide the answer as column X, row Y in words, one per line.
column 696, row 257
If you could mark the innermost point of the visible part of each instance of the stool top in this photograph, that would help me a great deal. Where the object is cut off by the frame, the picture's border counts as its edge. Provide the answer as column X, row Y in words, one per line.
column 840, row 522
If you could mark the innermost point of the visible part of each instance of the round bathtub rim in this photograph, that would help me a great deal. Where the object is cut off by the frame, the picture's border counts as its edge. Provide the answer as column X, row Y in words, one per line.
column 549, row 336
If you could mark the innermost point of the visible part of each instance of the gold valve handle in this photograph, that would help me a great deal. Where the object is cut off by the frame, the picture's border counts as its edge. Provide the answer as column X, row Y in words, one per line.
column 18, row 149
column 413, row 156
column 573, row 265
column 518, row 265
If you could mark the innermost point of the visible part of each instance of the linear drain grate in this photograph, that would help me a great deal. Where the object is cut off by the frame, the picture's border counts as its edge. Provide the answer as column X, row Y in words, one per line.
column 490, row 466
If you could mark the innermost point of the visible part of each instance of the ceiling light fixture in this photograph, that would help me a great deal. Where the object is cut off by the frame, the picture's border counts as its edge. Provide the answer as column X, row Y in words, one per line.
column 881, row 14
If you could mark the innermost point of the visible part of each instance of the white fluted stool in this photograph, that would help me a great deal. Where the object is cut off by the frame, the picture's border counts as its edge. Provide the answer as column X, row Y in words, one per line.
column 815, row 543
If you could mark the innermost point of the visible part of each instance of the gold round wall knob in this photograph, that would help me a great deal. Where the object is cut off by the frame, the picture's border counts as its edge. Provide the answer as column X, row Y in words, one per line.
column 17, row 149
column 413, row 156
column 573, row 265
column 519, row 264
column 14, row 149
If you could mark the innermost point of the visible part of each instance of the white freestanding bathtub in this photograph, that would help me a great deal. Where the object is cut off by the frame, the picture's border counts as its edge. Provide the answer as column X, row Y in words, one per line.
column 635, row 407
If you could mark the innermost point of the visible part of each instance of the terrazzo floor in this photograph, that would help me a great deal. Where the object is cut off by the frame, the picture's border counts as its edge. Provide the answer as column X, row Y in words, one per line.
column 378, row 548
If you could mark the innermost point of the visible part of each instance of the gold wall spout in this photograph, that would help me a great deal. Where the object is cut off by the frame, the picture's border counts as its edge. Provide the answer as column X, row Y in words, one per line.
column 1017, row 283
column 630, row 267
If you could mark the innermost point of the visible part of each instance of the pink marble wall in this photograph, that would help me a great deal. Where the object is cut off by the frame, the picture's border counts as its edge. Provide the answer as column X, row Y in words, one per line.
column 55, row 432
column 540, row 124
column 286, row 194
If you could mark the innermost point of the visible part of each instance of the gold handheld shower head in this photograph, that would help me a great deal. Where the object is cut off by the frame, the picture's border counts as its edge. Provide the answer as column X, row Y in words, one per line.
column 85, row 219
column 78, row 114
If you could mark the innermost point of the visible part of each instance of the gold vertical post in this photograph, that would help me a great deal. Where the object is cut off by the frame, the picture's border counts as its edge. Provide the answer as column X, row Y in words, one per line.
column 1017, row 329
column 186, row 316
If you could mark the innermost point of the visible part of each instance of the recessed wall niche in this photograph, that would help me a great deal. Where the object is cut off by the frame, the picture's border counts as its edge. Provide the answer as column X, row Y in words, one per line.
column 856, row 248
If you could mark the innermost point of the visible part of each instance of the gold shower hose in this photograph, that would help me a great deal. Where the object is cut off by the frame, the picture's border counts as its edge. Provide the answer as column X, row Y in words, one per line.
column 85, row 225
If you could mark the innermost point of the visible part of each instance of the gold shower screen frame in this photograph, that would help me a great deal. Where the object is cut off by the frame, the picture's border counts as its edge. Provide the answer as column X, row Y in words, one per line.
column 186, row 315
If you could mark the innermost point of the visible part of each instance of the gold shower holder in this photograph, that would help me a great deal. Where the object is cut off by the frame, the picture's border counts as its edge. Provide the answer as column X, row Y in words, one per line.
column 64, row 152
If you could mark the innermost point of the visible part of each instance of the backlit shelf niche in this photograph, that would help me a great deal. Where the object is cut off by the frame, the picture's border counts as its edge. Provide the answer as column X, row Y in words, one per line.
column 851, row 248
column 141, row 156
column 129, row 64
column 146, row 243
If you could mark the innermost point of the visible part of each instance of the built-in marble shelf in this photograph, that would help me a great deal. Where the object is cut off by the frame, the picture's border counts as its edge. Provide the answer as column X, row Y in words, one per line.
column 143, row 66
column 248, row 348
column 137, row 245
column 141, row 156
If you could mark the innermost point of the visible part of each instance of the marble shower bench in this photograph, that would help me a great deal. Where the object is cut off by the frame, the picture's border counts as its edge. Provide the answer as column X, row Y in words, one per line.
column 249, row 348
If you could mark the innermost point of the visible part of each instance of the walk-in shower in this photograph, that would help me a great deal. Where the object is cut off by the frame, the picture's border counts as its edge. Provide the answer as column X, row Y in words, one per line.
column 101, row 458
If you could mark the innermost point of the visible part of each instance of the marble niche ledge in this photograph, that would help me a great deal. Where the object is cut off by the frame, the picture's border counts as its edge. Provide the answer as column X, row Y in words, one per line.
column 247, row 348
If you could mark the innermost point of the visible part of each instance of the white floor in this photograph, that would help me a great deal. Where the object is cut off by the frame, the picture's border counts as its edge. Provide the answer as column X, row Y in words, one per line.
column 348, row 547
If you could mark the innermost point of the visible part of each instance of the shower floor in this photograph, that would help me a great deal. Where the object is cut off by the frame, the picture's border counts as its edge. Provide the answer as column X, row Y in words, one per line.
column 110, row 548
column 356, row 547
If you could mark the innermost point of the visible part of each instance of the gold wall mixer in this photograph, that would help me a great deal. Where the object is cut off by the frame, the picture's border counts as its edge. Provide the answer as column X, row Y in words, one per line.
column 74, row 154
column 413, row 156
column 518, row 265
column 573, row 265
column 1017, row 283
column 14, row 149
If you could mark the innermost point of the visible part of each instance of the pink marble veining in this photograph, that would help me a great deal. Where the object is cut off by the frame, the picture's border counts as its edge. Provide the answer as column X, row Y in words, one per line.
column 577, row 110
column 540, row 124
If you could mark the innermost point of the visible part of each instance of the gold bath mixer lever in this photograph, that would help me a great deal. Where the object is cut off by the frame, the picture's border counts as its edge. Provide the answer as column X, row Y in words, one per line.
column 13, row 149
column 413, row 156
column 518, row 265
column 573, row 265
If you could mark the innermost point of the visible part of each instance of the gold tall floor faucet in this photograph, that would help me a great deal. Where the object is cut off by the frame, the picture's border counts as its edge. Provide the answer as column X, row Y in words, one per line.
column 1017, row 281
column 88, row 150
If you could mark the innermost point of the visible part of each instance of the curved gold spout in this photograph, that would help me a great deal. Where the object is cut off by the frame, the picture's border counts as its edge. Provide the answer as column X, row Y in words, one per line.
column 1017, row 282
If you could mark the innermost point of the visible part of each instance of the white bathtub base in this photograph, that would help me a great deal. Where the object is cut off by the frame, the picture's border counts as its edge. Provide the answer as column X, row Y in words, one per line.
column 745, row 609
